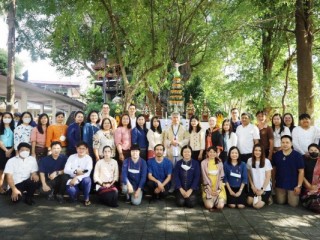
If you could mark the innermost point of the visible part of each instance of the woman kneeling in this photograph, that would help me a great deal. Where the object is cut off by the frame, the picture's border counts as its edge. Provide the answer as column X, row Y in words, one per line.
column 106, row 173
column 214, row 193
column 187, row 178
column 259, row 173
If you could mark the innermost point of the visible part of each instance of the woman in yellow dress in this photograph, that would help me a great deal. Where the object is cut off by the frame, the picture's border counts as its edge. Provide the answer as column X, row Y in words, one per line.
column 213, row 190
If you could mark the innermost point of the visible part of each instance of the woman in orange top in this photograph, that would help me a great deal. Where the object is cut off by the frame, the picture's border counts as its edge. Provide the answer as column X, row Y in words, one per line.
column 57, row 132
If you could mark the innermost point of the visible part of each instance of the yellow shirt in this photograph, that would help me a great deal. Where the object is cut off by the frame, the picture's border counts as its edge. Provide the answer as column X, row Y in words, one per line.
column 213, row 175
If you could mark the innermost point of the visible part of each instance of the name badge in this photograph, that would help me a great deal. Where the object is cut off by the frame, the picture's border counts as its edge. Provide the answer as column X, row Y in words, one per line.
column 237, row 175
column 133, row 170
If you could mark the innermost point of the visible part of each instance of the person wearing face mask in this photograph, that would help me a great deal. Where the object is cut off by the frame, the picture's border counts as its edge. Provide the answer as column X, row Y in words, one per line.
column 187, row 178
column 6, row 144
column 21, row 174
column 310, row 194
column 22, row 133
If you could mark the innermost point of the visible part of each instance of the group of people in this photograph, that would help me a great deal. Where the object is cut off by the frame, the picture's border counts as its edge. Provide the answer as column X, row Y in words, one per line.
column 238, row 164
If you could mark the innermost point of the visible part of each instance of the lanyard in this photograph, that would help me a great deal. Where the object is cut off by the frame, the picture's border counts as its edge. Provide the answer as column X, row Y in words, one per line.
column 175, row 133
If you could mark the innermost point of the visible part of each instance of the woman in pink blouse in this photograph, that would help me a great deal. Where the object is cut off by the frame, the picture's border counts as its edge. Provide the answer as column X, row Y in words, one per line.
column 38, row 137
column 122, row 138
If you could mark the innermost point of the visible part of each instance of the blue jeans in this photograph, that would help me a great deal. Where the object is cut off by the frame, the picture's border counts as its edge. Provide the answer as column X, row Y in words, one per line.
column 134, row 201
column 84, row 185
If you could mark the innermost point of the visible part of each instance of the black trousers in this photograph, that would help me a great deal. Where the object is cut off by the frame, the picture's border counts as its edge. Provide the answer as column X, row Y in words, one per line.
column 151, row 186
column 58, row 184
column 189, row 202
column 28, row 186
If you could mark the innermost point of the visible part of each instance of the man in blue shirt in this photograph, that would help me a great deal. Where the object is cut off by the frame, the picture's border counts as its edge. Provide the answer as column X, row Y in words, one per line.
column 288, row 167
column 52, row 176
column 159, row 174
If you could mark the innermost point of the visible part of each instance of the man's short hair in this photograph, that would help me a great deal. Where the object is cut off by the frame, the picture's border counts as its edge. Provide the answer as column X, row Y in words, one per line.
column 60, row 113
column 132, row 105
column 287, row 136
column 246, row 114
column 304, row 116
column 82, row 143
column 160, row 144
column 55, row 143
column 24, row 144
column 232, row 109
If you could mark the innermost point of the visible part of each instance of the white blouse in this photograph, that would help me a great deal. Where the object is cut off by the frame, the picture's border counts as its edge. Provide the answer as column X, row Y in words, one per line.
column 277, row 136
column 197, row 140
column 22, row 133
column 106, row 171
column 154, row 138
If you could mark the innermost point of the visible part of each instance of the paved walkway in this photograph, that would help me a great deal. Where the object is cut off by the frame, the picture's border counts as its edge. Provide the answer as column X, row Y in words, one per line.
column 160, row 220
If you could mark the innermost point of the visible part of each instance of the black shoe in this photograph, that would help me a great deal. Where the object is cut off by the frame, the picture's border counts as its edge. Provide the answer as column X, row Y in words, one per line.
column 50, row 197
column 59, row 198
column 74, row 201
column 29, row 201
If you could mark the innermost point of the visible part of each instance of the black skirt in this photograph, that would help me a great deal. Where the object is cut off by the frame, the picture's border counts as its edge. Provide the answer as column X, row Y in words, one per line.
column 236, row 200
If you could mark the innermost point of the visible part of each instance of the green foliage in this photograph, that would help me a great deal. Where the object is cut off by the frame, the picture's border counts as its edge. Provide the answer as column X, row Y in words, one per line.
column 236, row 51
column 4, row 64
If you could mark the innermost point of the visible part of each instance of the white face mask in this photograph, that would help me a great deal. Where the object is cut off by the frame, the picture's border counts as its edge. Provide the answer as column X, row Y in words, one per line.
column 24, row 154
column 7, row 120
column 185, row 167
column 26, row 120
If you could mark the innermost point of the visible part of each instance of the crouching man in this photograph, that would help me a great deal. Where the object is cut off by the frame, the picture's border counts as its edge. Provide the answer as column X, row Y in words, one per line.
column 22, row 177
column 52, row 175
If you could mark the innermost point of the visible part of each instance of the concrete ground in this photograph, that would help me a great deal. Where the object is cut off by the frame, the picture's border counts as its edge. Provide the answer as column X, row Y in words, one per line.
column 159, row 220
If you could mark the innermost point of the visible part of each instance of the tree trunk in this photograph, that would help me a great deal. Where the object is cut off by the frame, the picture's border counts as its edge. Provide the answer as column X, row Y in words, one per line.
column 11, row 56
column 304, row 40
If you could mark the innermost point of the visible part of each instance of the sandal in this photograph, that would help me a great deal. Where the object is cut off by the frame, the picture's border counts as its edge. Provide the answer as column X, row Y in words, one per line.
column 87, row 203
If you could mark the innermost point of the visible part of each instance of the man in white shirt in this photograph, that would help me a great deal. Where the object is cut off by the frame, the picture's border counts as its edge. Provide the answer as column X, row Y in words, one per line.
column 22, row 176
column 248, row 135
column 132, row 115
column 79, row 167
column 105, row 113
column 304, row 135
